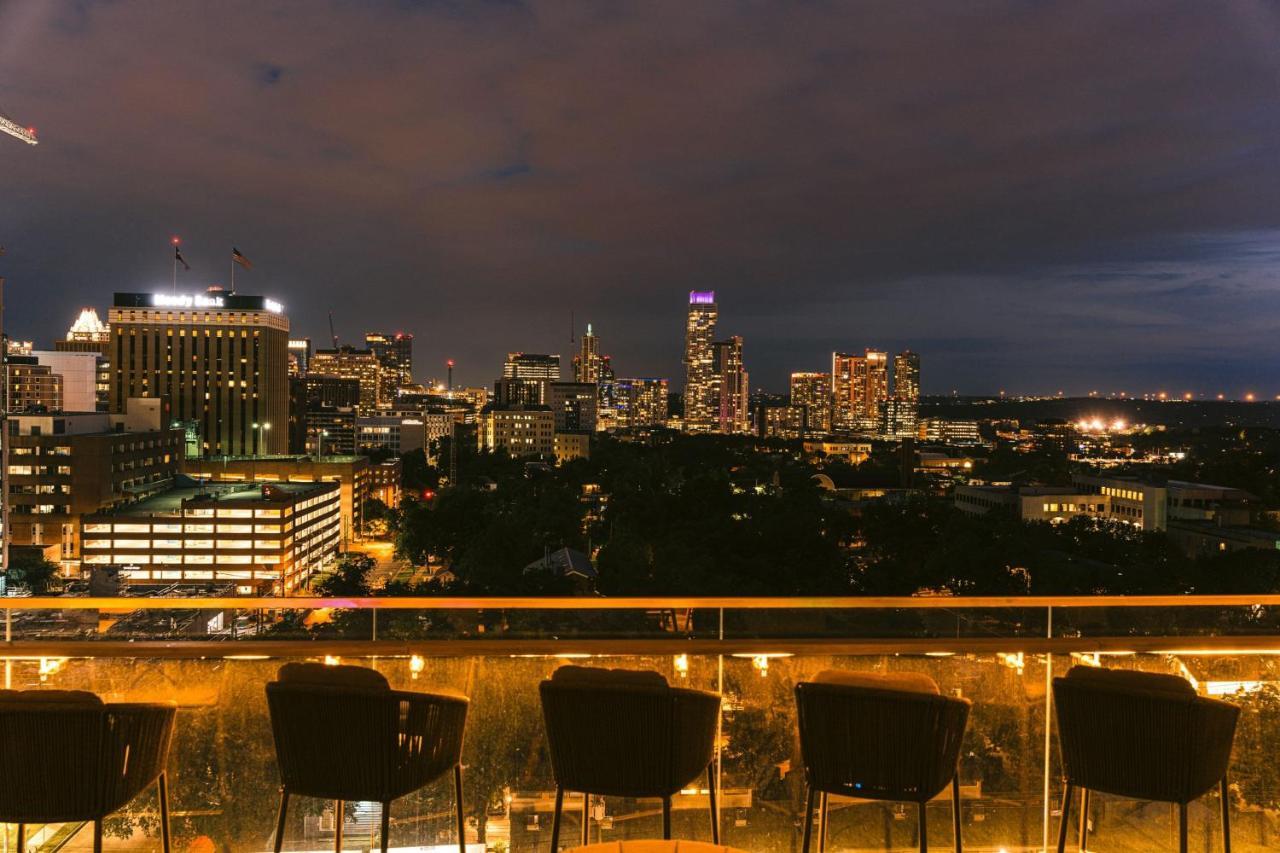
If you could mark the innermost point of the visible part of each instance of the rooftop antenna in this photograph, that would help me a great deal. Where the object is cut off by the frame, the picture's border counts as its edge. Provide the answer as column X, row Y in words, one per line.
column 332, row 333
column 572, row 326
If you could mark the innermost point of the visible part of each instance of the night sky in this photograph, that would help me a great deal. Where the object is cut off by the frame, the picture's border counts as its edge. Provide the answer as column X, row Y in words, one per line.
column 1035, row 196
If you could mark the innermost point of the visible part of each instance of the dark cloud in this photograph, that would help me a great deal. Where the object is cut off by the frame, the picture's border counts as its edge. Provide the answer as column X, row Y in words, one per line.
column 1033, row 195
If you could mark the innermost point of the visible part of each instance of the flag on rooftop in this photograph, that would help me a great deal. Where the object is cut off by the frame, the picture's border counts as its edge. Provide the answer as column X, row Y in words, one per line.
column 241, row 259
column 177, row 256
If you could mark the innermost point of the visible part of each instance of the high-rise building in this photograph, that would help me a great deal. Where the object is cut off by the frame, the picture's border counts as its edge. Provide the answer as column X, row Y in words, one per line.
column 701, row 406
column 906, row 376
column 89, row 334
column 811, row 392
column 526, row 379
column 220, row 358
column 787, row 422
column 299, row 356
column 607, row 405
column 586, row 364
column 733, row 413
column 347, row 362
column 903, row 410
column 859, row 384
column 395, row 354
column 79, row 372
column 574, row 406
column 641, row 403
column 89, row 329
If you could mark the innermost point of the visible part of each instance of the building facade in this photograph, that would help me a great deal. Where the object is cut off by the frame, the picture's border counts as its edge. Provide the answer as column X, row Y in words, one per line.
column 349, row 363
column 267, row 538
column 221, row 359
column 575, row 406
column 523, row 431
column 701, row 407
column 641, row 403
column 394, row 353
column 732, row 394
column 79, row 372
column 33, row 387
column 811, row 392
column 63, row 466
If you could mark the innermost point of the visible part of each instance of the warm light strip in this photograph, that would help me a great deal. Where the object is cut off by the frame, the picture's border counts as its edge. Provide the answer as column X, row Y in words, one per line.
column 644, row 603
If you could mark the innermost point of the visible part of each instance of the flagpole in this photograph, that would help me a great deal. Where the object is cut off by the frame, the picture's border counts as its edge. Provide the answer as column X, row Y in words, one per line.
column 175, row 270
column 233, row 273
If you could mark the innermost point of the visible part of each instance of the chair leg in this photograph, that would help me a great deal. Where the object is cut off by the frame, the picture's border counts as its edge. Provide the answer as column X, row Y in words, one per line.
column 284, row 810
column 555, row 820
column 1226, row 816
column 339, row 813
column 162, row 783
column 386, row 825
column 808, row 818
column 924, row 829
column 1182, row 828
column 1067, row 792
column 822, row 823
column 955, row 813
column 586, row 818
column 97, row 836
column 666, row 818
column 715, row 813
column 1084, row 818
column 462, row 823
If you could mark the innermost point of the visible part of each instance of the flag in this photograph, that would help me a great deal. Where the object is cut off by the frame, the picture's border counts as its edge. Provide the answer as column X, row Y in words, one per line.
column 177, row 256
column 240, row 259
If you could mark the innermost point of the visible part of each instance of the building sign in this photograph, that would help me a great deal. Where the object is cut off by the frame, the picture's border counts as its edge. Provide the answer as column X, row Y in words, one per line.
column 166, row 300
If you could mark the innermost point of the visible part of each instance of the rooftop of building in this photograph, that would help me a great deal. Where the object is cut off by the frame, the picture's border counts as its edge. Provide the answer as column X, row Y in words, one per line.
column 188, row 490
column 300, row 458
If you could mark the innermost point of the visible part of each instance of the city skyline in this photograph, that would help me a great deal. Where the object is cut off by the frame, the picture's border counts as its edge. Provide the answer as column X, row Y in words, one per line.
column 1021, row 229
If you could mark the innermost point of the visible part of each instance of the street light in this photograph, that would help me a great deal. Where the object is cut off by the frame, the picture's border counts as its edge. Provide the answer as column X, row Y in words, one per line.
column 257, row 429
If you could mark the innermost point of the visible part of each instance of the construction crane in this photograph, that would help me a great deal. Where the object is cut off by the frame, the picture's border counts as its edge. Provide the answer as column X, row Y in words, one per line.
column 17, row 131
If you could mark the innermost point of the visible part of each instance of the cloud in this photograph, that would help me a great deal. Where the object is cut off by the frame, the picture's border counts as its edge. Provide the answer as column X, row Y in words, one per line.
column 837, row 172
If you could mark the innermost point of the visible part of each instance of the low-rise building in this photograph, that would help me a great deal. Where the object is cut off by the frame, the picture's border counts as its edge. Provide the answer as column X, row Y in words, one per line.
column 63, row 466
column 572, row 445
column 395, row 432
column 520, row 431
column 358, row 479
column 943, row 431
column 267, row 538
column 1032, row 503
column 782, row 422
column 853, row 452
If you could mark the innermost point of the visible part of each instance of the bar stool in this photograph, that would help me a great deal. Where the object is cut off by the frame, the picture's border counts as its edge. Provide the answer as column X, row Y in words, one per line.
column 1141, row 735
column 876, row 736
column 341, row 733
column 68, row 757
column 621, row 733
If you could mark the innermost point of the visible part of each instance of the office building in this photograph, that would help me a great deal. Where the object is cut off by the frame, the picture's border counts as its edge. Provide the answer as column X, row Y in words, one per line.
column 641, row 403
column 329, row 430
column 574, row 405
column 859, row 384
column 943, row 431
column 608, row 399
column 266, row 538
column 62, row 466
column 358, row 479
column 906, row 377
column 33, row 387
column 572, row 445
column 395, row 433
column 220, row 358
column 526, row 379
column 79, row 372
column 349, row 363
column 299, row 356
column 731, row 394
column 787, row 422
column 394, row 353
column 88, row 334
column 898, row 418
column 701, row 403
column 521, row 432
column 586, row 364
column 811, row 392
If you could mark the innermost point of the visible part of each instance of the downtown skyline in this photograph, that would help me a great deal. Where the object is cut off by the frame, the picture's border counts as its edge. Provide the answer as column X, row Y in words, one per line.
column 1023, row 230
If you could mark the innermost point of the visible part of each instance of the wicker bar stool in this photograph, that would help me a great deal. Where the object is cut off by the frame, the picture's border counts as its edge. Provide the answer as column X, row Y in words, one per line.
column 1141, row 735
column 341, row 733
column 875, row 736
column 67, row 757
column 620, row 733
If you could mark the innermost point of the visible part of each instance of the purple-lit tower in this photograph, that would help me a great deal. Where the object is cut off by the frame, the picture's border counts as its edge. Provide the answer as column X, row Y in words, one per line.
column 700, row 405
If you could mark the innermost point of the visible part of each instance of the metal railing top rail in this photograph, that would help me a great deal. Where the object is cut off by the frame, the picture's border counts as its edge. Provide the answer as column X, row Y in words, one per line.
column 634, row 603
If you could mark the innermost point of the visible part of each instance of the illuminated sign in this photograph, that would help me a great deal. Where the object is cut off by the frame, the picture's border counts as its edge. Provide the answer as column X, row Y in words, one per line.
column 705, row 297
column 272, row 306
column 164, row 300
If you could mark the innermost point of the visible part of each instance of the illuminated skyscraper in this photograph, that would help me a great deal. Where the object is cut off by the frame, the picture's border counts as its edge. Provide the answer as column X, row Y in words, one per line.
column 395, row 354
column 89, row 329
column 526, row 379
column 812, row 393
column 906, row 376
column 731, row 390
column 586, row 364
column 299, row 357
column 641, row 402
column 859, row 384
column 701, row 408
column 220, row 359
column 350, row 363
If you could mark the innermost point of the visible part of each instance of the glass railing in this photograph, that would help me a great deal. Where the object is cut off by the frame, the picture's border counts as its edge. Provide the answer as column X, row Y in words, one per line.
column 213, row 656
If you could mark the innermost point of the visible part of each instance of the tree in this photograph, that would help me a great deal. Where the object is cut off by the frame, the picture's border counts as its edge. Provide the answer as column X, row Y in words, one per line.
column 350, row 578
column 32, row 570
